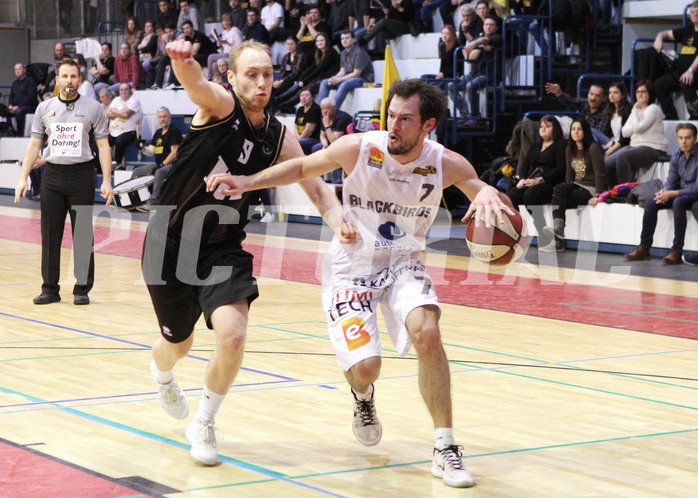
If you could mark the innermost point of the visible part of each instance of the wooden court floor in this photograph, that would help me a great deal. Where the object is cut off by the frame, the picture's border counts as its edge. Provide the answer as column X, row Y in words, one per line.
column 545, row 404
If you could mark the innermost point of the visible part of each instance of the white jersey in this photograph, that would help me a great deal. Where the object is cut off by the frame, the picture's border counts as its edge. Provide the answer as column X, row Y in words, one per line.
column 392, row 204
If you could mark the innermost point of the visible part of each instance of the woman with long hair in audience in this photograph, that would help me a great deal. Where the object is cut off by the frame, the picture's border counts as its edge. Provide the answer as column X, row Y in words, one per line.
column 292, row 64
column 132, row 33
column 148, row 46
column 541, row 170
column 620, row 112
column 585, row 178
column 447, row 48
column 325, row 65
column 645, row 128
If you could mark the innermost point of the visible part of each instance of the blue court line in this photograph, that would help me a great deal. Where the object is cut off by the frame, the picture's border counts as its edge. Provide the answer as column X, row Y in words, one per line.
column 131, row 343
column 178, row 444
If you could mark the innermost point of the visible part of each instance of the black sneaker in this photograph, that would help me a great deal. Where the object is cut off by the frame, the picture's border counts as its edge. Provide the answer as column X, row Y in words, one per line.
column 81, row 299
column 46, row 298
column 367, row 428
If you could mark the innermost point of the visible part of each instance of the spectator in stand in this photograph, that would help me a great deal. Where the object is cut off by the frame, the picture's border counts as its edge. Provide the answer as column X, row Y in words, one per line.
column 324, row 65
column 292, row 63
column 132, row 34
column 536, row 177
column 238, row 14
column 220, row 74
column 531, row 8
column 394, row 23
column 341, row 19
column 106, row 97
column 86, row 89
column 167, row 15
column 447, row 50
column 6, row 128
column 470, row 26
column 272, row 17
column 482, row 9
column 201, row 45
column 255, row 30
column 356, row 69
column 158, row 67
column 585, row 180
column 427, row 11
column 307, row 122
column 103, row 70
column 645, row 128
column 680, row 192
column 127, row 69
column 81, row 62
column 23, row 99
column 334, row 124
column 125, row 115
column 594, row 109
column 500, row 8
column 311, row 24
column 225, row 41
column 163, row 146
column 189, row 12
column 148, row 47
column 481, row 54
column 50, row 81
column 675, row 77
column 620, row 110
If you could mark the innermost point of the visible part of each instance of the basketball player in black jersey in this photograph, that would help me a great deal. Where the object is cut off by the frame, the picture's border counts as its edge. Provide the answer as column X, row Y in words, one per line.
column 193, row 261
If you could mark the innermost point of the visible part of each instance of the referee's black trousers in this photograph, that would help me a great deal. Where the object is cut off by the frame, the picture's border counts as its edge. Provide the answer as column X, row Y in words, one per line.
column 67, row 189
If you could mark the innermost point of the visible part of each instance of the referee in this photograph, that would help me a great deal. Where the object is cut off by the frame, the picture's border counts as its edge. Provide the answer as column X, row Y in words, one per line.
column 65, row 123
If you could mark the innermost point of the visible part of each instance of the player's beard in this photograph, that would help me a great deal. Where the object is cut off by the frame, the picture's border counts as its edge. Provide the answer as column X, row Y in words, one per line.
column 404, row 147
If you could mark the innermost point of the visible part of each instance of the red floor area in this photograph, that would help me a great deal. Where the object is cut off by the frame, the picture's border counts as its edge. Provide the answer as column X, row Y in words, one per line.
column 595, row 305
column 26, row 473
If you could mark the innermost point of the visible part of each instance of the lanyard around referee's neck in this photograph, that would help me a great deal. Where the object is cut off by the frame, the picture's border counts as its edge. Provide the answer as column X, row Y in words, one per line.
column 69, row 104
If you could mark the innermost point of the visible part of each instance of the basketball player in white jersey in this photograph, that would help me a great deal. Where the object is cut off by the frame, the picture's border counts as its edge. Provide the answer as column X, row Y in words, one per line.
column 392, row 190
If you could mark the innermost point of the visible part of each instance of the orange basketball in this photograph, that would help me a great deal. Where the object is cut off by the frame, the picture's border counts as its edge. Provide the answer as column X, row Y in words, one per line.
column 499, row 244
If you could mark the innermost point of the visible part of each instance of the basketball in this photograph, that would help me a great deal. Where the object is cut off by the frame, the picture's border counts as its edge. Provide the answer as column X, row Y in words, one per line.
column 498, row 244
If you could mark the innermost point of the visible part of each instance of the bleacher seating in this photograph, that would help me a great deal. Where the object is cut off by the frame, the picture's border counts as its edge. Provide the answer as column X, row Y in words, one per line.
column 11, row 152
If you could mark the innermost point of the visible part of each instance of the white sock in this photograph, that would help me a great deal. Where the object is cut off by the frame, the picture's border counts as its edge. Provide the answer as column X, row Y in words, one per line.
column 209, row 405
column 368, row 395
column 444, row 438
column 160, row 376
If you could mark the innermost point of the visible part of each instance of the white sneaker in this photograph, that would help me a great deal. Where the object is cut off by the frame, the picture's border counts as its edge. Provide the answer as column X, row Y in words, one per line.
column 448, row 465
column 268, row 217
column 169, row 86
column 201, row 434
column 171, row 397
column 555, row 245
column 367, row 428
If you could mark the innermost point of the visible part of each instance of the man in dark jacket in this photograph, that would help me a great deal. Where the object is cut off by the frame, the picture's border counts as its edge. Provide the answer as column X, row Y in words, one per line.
column 22, row 97
column 255, row 30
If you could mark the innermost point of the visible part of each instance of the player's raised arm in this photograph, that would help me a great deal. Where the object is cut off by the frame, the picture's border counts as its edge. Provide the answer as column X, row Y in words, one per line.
column 484, row 198
column 213, row 100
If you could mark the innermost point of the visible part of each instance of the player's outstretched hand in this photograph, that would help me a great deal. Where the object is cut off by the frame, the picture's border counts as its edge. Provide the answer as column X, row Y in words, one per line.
column 179, row 50
column 487, row 202
column 233, row 186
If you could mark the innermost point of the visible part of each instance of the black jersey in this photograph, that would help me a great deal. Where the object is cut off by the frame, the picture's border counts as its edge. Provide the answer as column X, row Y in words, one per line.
column 229, row 145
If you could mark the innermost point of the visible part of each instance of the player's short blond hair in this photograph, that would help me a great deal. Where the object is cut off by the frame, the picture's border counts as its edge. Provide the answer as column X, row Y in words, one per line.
column 249, row 44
